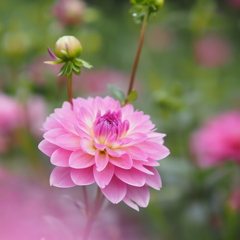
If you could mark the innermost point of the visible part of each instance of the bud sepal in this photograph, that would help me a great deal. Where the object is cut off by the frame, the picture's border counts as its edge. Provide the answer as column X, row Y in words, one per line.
column 67, row 50
column 143, row 7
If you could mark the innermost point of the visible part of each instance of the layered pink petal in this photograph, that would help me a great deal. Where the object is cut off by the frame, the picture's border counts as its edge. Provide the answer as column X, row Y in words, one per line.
column 60, row 177
column 86, row 116
column 136, row 153
column 115, row 191
column 51, row 123
column 61, row 157
column 47, row 147
column 141, row 167
column 115, row 152
column 80, row 159
column 154, row 181
column 68, row 141
column 139, row 195
column 132, row 176
column 53, row 134
column 99, row 146
column 101, row 159
column 68, row 124
column 82, row 133
column 82, row 176
column 87, row 146
column 104, row 177
column 124, row 161
column 154, row 150
column 136, row 138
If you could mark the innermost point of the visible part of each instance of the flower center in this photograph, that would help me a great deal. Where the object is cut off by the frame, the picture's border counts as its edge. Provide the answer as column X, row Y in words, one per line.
column 109, row 126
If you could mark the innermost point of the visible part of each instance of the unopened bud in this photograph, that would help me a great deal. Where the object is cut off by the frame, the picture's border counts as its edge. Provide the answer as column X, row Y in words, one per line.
column 158, row 4
column 68, row 47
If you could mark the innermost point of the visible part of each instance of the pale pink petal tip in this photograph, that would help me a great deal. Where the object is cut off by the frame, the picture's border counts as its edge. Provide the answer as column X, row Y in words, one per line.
column 115, row 191
column 137, row 195
column 60, row 177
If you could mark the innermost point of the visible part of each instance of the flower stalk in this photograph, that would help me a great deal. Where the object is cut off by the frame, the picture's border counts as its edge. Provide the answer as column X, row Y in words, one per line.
column 139, row 50
column 93, row 214
column 70, row 89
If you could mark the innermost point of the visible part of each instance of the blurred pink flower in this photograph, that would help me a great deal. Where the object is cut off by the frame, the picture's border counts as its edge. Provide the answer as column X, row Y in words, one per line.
column 30, row 210
column 95, row 82
column 161, row 38
column 40, row 73
column 11, row 114
column 212, row 51
column 218, row 140
column 35, row 114
column 234, row 3
column 234, row 200
column 11, row 117
column 98, row 141
column 69, row 12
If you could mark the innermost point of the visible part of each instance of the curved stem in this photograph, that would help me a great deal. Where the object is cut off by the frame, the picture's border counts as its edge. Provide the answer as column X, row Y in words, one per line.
column 85, row 196
column 92, row 216
column 140, row 44
column 70, row 88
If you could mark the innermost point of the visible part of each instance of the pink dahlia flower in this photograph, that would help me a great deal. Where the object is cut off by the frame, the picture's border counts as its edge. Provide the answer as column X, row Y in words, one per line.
column 98, row 141
column 218, row 140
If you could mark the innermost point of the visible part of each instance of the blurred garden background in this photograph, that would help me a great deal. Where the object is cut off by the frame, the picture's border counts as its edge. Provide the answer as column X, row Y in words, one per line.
column 188, row 79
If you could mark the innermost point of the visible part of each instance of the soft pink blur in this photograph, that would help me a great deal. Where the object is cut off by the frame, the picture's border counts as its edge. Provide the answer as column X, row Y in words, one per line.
column 234, row 3
column 69, row 12
column 234, row 200
column 41, row 73
column 212, row 51
column 31, row 210
column 98, row 141
column 218, row 140
column 95, row 82
column 160, row 38
column 11, row 117
column 36, row 111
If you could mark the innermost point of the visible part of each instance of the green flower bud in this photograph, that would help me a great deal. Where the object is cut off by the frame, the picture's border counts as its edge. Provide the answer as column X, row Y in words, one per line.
column 68, row 47
column 158, row 4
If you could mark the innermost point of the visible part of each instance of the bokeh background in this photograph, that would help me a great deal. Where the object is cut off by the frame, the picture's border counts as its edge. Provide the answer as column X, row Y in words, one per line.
column 188, row 73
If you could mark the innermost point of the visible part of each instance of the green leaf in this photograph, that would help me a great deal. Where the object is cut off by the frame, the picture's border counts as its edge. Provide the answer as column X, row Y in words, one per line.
column 86, row 64
column 133, row 95
column 78, row 62
column 117, row 93
column 69, row 68
column 62, row 70
column 76, row 68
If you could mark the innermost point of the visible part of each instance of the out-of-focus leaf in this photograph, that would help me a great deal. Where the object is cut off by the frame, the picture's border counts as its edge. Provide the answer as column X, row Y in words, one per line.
column 133, row 95
column 117, row 93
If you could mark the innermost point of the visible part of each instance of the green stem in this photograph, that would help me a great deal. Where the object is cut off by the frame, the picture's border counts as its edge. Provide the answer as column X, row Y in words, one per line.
column 70, row 89
column 140, row 44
